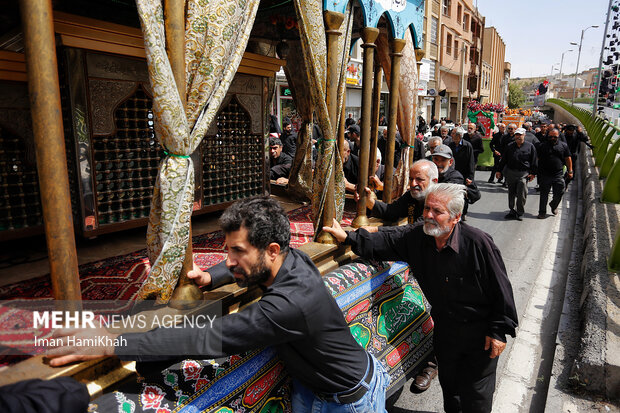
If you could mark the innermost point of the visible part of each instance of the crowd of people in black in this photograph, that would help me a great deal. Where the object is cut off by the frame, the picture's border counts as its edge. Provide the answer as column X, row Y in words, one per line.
column 544, row 151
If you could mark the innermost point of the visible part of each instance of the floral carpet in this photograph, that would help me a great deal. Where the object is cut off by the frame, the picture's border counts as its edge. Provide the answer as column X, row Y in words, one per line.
column 119, row 279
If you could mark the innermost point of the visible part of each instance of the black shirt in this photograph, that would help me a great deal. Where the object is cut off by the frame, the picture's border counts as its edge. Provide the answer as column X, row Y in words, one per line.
column 451, row 176
column 505, row 140
column 382, row 146
column 281, row 166
column 405, row 206
column 464, row 282
column 418, row 149
column 495, row 143
column 296, row 315
column 531, row 138
column 574, row 140
column 463, row 154
column 551, row 157
column 351, row 169
column 476, row 143
column 289, row 143
column 522, row 158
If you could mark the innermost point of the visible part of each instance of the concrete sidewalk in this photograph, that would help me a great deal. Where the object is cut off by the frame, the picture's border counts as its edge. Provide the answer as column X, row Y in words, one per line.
column 586, row 365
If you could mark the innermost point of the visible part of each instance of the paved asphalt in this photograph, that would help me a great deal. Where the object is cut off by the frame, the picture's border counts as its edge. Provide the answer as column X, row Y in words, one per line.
column 523, row 245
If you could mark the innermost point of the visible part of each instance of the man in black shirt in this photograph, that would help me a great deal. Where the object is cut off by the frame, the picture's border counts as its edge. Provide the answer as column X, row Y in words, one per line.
column 382, row 146
column 279, row 162
column 518, row 166
column 495, row 148
column 508, row 138
column 529, row 134
column 296, row 315
column 289, row 140
column 350, row 167
column 422, row 174
column 463, row 154
column 442, row 157
column 574, row 137
column 354, row 136
column 462, row 274
column 552, row 156
column 349, row 121
column 475, row 139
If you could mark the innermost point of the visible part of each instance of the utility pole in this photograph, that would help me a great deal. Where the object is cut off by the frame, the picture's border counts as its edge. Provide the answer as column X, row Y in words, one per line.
column 578, row 57
column 600, row 65
column 562, row 61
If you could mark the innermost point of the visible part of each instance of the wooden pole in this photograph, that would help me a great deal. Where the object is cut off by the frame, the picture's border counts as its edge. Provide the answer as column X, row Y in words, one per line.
column 374, row 125
column 419, row 55
column 333, row 20
column 186, row 294
column 397, row 46
column 44, row 92
column 369, row 35
column 341, row 130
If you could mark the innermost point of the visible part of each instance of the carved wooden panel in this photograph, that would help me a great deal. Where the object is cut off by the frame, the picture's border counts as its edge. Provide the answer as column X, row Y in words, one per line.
column 116, row 67
column 105, row 96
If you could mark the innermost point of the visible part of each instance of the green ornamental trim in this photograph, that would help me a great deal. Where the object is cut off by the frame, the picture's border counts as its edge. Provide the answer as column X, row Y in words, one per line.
column 473, row 117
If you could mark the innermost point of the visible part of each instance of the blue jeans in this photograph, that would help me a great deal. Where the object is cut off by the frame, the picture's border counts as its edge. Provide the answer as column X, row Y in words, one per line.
column 304, row 401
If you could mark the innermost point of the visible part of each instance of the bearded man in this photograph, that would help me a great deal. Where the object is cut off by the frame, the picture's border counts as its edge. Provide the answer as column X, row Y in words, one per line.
column 422, row 175
column 462, row 274
column 296, row 315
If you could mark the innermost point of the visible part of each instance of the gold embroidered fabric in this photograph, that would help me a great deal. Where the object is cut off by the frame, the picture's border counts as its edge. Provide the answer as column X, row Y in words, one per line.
column 314, row 49
column 217, row 32
column 300, row 178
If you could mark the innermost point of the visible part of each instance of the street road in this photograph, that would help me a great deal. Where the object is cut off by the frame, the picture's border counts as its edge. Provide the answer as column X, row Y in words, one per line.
column 523, row 246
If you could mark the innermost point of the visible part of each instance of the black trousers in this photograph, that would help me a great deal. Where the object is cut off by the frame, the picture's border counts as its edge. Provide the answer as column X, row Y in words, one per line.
column 466, row 373
column 546, row 183
column 495, row 169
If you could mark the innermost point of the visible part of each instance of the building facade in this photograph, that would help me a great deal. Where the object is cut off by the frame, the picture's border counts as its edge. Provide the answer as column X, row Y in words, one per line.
column 460, row 53
column 493, row 55
column 429, row 93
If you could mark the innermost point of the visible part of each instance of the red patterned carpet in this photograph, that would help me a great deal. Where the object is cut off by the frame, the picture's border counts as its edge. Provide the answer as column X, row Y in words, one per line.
column 120, row 277
column 116, row 278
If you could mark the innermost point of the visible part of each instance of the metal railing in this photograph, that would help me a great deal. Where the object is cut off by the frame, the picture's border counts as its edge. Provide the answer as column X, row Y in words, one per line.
column 605, row 138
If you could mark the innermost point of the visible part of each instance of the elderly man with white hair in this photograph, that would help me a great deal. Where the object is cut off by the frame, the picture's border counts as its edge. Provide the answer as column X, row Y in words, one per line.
column 422, row 175
column 462, row 274
column 432, row 144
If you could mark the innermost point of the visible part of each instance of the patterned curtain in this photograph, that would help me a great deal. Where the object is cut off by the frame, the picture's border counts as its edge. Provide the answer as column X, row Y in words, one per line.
column 300, row 178
column 408, row 95
column 216, row 35
column 314, row 49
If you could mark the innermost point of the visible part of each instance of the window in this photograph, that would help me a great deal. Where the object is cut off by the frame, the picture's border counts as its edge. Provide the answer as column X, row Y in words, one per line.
column 449, row 44
column 432, row 70
column 471, row 54
column 456, row 49
column 465, row 22
column 446, row 6
column 459, row 12
column 434, row 25
column 465, row 51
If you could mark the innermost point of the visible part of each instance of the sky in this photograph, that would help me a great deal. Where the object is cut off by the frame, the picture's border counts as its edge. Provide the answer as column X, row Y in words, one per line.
column 537, row 32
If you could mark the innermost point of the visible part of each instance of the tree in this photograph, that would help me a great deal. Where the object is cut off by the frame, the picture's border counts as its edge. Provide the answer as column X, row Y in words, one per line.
column 516, row 97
